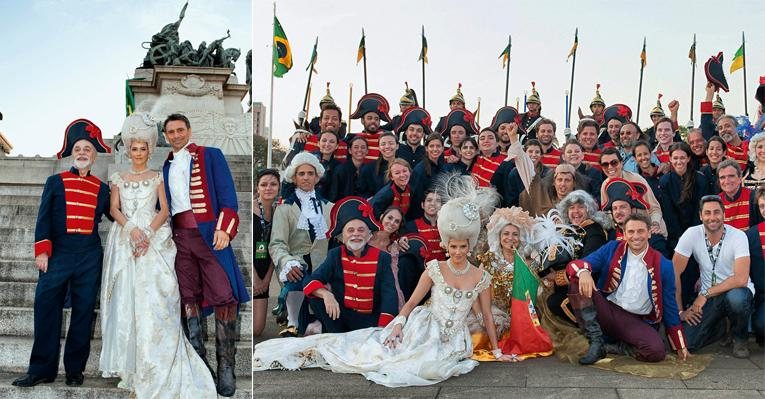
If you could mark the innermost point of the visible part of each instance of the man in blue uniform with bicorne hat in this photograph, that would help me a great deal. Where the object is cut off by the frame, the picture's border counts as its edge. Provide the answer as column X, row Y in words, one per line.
column 68, row 254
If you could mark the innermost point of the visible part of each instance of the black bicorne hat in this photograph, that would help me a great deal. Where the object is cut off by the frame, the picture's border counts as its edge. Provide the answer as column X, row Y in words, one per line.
column 713, row 68
column 82, row 129
column 350, row 208
column 505, row 115
column 372, row 102
column 619, row 189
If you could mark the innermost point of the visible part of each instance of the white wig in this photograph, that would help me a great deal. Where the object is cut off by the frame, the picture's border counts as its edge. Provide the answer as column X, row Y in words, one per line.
column 466, row 207
column 584, row 198
column 303, row 158
column 753, row 146
column 503, row 217
column 140, row 126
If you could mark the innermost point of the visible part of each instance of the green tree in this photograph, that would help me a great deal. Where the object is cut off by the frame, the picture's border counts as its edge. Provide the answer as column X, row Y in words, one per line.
column 260, row 153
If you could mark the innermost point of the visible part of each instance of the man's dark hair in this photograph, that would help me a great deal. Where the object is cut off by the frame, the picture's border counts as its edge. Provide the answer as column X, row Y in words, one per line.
column 587, row 123
column 729, row 163
column 332, row 107
column 639, row 217
column 711, row 198
column 176, row 117
column 546, row 121
column 611, row 151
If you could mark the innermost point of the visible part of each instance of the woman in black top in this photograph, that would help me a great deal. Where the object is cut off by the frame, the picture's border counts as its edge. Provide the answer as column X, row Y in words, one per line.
column 267, row 186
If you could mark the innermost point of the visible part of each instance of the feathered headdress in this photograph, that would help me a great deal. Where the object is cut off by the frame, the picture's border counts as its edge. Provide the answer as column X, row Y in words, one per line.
column 466, row 207
column 548, row 237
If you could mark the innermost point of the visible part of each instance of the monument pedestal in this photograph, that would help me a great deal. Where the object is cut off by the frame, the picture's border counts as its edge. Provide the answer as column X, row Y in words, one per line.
column 210, row 97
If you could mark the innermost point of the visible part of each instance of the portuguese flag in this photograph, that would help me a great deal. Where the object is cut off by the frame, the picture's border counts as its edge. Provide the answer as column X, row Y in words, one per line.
column 526, row 337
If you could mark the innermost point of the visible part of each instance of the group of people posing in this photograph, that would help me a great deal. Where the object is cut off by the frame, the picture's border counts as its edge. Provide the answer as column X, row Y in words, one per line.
column 410, row 242
column 166, row 264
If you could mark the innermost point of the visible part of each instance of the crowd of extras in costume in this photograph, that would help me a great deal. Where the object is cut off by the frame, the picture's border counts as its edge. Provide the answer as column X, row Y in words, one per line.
column 426, row 251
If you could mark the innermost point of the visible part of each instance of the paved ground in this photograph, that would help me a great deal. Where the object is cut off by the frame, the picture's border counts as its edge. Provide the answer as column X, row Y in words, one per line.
column 726, row 377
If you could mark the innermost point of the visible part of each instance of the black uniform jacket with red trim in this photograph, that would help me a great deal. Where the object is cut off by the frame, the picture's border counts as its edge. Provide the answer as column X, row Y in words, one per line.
column 70, row 209
column 364, row 284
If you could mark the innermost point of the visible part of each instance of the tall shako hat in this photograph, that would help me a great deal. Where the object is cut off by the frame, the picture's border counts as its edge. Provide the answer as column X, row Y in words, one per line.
column 534, row 97
column 417, row 116
column 619, row 189
column 350, row 208
column 618, row 111
column 458, row 96
column 658, row 110
column 82, row 129
column 460, row 117
column 715, row 74
column 505, row 115
column 597, row 100
column 372, row 102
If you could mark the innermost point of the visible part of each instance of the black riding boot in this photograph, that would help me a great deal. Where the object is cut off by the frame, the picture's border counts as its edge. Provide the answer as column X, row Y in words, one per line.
column 192, row 327
column 588, row 322
column 225, row 347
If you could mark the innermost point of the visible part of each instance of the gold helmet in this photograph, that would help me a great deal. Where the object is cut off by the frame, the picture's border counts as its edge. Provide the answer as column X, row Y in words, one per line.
column 718, row 104
column 458, row 96
column 658, row 110
column 327, row 99
column 597, row 100
column 409, row 98
column 534, row 97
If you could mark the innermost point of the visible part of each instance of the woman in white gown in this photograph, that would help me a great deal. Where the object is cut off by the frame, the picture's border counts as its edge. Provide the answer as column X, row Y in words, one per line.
column 143, row 341
column 423, row 345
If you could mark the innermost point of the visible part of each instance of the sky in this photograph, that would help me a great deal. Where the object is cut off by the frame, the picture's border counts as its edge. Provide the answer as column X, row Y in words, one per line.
column 68, row 59
column 466, row 38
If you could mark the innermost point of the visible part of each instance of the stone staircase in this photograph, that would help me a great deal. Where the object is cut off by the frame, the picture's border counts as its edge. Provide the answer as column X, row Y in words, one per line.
column 21, row 183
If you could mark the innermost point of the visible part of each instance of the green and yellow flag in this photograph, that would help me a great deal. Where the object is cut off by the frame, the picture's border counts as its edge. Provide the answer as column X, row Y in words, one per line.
column 282, row 51
column 643, row 60
column 362, row 51
column 576, row 44
column 505, row 55
column 129, row 99
column 738, row 60
column 424, row 50
column 314, row 58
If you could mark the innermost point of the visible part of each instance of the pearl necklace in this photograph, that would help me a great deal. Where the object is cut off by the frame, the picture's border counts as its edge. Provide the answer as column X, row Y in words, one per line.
column 454, row 269
column 134, row 172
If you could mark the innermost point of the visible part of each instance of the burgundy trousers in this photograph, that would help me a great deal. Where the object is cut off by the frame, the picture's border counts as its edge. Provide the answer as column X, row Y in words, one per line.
column 200, row 276
column 622, row 325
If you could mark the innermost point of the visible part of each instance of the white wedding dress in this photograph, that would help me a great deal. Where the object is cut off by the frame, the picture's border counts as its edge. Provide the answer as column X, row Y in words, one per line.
column 436, row 343
column 143, row 341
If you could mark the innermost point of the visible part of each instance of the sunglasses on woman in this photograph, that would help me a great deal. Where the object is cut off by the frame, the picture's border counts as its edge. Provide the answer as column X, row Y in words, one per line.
column 612, row 163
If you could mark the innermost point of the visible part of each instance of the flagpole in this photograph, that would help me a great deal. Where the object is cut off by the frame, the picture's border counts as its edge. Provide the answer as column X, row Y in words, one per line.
column 365, row 62
column 308, row 88
column 743, row 53
column 271, row 101
column 571, row 89
column 640, row 87
column 350, row 105
column 422, row 60
column 693, row 74
column 507, row 73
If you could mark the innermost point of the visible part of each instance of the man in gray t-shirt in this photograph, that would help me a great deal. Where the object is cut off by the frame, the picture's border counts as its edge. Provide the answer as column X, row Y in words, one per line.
column 722, row 253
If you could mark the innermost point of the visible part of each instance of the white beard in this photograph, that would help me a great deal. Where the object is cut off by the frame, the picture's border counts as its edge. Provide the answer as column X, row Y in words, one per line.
column 353, row 246
column 79, row 165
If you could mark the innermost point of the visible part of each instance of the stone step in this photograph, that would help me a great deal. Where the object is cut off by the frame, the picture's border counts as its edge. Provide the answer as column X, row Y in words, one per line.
column 93, row 388
column 14, row 356
column 19, row 322
column 26, row 235
column 23, row 251
column 30, row 204
column 26, row 219
column 22, row 294
column 24, row 270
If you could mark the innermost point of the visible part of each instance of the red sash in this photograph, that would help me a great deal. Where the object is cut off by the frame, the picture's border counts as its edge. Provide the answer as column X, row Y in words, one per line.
column 401, row 200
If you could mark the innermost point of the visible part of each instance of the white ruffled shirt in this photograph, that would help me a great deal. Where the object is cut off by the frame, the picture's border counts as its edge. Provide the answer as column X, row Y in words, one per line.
column 178, row 178
column 310, row 210
column 632, row 294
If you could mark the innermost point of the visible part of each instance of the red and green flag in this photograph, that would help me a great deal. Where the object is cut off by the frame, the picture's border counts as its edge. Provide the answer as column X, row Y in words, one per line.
column 526, row 337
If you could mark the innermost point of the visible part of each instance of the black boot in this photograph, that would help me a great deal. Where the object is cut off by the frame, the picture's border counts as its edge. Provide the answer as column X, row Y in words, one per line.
column 588, row 322
column 192, row 327
column 225, row 347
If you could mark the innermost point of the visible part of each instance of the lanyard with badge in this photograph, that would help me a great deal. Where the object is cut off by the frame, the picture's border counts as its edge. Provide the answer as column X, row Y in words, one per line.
column 714, row 257
column 261, row 247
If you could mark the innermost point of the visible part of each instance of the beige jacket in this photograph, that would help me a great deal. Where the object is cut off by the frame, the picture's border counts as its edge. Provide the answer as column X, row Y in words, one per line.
column 290, row 243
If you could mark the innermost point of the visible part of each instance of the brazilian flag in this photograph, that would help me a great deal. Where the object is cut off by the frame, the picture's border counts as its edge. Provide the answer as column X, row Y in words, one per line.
column 129, row 99
column 282, row 51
